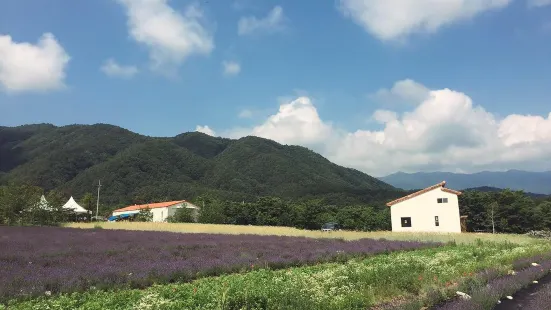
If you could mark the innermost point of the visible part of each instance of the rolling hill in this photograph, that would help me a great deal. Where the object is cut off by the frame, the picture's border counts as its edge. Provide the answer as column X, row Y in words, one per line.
column 134, row 168
column 533, row 182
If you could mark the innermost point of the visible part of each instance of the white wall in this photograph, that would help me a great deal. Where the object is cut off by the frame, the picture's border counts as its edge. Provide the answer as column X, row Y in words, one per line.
column 161, row 214
column 125, row 212
column 423, row 208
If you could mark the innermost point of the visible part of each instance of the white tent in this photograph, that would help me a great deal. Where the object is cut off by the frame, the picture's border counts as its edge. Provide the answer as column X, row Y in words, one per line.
column 73, row 205
column 43, row 204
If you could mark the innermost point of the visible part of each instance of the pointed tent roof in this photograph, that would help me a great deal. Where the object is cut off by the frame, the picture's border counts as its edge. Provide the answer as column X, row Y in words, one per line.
column 43, row 203
column 73, row 205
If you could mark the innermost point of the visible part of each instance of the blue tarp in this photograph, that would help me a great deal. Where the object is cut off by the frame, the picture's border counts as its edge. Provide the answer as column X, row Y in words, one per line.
column 112, row 218
column 120, row 216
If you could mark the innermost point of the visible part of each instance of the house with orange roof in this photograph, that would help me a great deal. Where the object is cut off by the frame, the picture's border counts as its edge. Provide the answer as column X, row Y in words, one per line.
column 433, row 209
column 160, row 210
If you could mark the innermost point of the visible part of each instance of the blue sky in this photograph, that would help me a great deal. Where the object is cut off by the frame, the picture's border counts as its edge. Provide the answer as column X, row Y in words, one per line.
column 340, row 59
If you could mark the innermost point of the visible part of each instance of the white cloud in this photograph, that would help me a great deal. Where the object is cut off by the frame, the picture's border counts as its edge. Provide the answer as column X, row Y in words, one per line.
column 231, row 68
column 205, row 130
column 32, row 67
column 538, row 3
column 297, row 122
column 446, row 131
column 170, row 36
column 111, row 68
column 271, row 23
column 384, row 116
column 246, row 113
column 404, row 91
column 397, row 19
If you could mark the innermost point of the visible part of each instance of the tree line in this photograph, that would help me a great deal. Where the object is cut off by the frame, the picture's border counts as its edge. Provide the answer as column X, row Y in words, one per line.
column 505, row 211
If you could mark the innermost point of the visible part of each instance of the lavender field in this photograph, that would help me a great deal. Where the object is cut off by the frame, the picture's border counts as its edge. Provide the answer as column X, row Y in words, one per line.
column 35, row 260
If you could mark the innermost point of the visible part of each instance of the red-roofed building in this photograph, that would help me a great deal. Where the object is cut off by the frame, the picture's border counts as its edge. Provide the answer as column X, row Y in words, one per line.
column 161, row 210
column 433, row 209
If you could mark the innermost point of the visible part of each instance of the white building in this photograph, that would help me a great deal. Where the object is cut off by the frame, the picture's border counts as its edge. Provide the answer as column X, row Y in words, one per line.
column 161, row 210
column 433, row 209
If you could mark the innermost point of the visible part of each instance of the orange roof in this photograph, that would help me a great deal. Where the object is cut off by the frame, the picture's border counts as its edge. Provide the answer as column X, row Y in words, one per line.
column 150, row 206
column 428, row 189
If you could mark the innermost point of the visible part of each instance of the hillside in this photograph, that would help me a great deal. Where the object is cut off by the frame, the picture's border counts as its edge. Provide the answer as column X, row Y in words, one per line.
column 533, row 182
column 137, row 168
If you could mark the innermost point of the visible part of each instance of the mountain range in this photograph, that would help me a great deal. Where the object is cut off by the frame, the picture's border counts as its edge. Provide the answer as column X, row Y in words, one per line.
column 134, row 168
column 532, row 182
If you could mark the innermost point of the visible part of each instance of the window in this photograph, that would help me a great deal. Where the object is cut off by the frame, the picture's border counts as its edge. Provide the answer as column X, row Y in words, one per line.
column 406, row 221
column 436, row 221
column 442, row 200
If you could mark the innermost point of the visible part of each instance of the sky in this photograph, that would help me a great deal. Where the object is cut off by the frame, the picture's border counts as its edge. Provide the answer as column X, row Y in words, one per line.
column 377, row 85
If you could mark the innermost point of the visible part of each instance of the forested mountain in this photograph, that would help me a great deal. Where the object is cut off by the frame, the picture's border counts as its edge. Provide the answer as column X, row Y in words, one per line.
column 533, row 182
column 134, row 168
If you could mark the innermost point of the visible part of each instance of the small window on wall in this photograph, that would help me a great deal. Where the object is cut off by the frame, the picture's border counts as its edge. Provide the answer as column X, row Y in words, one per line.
column 406, row 221
column 442, row 200
column 436, row 221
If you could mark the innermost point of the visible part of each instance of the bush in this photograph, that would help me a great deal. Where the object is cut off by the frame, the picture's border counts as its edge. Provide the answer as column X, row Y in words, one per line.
column 182, row 215
column 145, row 215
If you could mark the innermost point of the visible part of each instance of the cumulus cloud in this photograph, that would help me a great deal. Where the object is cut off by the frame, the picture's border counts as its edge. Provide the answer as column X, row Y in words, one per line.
column 446, row 131
column 231, row 68
column 271, row 23
column 32, row 67
column 111, row 68
column 170, row 36
column 205, row 130
column 538, row 3
column 297, row 122
column 404, row 91
column 397, row 19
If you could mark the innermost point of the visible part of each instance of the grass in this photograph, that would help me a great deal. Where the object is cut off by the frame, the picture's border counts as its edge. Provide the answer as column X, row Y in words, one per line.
column 288, row 231
column 357, row 284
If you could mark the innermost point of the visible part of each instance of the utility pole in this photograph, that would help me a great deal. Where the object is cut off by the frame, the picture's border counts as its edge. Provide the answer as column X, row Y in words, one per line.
column 97, row 202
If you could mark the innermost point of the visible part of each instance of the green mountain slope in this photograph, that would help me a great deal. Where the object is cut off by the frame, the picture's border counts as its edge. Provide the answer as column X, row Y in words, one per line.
column 136, row 168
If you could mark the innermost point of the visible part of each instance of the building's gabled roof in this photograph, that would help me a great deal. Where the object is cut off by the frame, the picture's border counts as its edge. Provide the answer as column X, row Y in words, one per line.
column 428, row 189
column 150, row 206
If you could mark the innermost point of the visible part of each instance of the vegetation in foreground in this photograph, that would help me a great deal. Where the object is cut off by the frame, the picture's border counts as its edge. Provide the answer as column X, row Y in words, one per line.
column 356, row 284
column 288, row 231
column 57, row 260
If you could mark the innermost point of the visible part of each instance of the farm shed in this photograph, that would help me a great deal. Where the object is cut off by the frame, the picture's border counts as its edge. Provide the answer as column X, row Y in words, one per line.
column 433, row 209
column 161, row 210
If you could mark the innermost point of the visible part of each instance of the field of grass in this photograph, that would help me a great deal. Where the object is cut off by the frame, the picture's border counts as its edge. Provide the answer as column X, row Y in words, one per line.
column 356, row 284
column 287, row 231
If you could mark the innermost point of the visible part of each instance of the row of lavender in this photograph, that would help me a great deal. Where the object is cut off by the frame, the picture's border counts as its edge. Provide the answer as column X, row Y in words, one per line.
column 35, row 260
column 499, row 287
column 540, row 300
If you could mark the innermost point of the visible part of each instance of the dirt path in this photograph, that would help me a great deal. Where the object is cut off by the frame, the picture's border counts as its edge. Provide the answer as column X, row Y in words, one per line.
column 524, row 298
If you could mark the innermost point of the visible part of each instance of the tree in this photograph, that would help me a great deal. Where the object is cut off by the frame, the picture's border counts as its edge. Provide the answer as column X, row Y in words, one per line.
column 182, row 215
column 145, row 215
column 492, row 208
column 87, row 202
column 17, row 203
column 211, row 210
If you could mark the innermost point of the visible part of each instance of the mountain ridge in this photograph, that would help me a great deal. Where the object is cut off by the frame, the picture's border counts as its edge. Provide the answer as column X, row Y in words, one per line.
column 532, row 182
column 137, row 168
